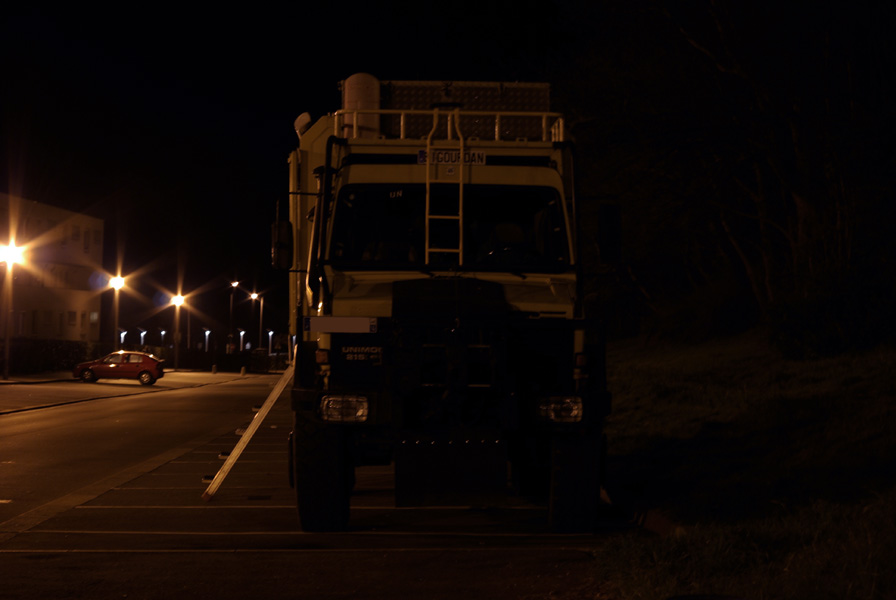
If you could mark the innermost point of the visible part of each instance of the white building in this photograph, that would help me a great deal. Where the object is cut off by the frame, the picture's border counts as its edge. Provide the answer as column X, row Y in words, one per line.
column 56, row 291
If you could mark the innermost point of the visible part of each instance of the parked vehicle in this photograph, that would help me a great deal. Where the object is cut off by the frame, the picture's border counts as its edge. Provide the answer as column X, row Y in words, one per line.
column 436, row 294
column 141, row 366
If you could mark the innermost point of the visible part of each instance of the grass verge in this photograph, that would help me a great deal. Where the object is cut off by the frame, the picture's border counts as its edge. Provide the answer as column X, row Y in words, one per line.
column 778, row 476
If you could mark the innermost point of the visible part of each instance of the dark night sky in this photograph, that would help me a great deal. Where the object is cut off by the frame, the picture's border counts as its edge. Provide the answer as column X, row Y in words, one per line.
column 175, row 127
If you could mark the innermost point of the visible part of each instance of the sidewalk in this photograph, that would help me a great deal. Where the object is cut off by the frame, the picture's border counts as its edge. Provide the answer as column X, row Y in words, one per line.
column 46, row 377
column 41, row 390
column 57, row 376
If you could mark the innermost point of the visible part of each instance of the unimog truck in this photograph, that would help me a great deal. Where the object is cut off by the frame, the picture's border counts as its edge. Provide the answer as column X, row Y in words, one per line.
column 436, row 292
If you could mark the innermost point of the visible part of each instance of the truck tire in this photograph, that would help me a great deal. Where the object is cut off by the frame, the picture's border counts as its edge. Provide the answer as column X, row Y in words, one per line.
column 323, row 474
column 576, row 468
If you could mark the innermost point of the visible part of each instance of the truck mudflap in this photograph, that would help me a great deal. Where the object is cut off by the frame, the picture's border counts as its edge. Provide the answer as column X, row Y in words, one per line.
column 451, row 471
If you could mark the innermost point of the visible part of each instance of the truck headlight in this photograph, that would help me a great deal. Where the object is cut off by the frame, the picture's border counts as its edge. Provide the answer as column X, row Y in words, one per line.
column 561, row 409
column 344, row 409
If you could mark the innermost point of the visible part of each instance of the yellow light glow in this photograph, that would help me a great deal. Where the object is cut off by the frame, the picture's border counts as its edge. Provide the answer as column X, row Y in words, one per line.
column 117, row 282
column 12, row 254
column 177, row 300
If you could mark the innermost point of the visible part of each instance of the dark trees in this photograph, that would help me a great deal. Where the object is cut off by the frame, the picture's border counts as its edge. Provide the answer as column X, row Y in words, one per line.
column 750, row 145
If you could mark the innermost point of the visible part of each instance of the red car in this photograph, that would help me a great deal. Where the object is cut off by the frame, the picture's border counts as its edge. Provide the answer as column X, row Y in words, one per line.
column 141, row 366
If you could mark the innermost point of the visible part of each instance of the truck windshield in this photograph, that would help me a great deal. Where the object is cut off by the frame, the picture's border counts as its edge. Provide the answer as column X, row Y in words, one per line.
column 505, row 228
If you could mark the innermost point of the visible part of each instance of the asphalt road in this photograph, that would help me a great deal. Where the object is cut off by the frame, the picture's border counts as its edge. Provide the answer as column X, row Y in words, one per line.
column 105, row 501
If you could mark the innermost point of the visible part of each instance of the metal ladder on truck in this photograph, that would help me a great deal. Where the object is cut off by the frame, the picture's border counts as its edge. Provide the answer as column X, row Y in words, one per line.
column 445, row 173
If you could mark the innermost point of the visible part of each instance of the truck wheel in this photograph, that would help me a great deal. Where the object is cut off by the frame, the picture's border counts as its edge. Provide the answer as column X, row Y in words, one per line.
column 323, row 474
column 575, row 482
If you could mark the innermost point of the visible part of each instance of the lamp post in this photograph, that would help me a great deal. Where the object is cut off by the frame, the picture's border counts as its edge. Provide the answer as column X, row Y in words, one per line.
column 121, row 334
column 207, row 331
column 233, row 286
column 10, row 254
column 142, row 335
column 116, row 283
column 260, row 298
column 177, row 301
column 163, row 337
column 242, row 333
column 270, row 340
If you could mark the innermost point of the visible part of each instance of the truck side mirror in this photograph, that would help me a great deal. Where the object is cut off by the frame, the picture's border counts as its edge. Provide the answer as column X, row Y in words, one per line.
column 609, row 233
column 281, row 245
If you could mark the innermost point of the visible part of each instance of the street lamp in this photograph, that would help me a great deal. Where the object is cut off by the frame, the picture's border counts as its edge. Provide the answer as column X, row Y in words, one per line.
column 207, row 331
column 233, row 286
column 10, row 254
column 142, row 335
column 270, row 338
column 163, row 337
column 257, row 296
column 177, row 301
column 121, row 334
column 116, row 283
column 242, row 333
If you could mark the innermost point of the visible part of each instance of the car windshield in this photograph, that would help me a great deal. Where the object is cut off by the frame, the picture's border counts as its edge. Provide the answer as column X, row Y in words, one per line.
column 505, row 228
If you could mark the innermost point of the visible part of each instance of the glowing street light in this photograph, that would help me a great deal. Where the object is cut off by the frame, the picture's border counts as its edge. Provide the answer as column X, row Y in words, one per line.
column 142, row 335
column 257, row 296
column 10, row 254
column 270, row 338
column 242, row 333
column 121, row 334
column 207, row 331
column 116, row 283
column 233, row 286
column 177, row 301
column 163, row 336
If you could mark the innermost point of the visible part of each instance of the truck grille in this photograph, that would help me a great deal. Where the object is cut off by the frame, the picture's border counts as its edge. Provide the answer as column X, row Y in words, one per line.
column 450, row 376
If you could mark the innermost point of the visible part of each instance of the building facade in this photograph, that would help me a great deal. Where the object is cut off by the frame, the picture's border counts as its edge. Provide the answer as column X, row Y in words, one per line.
column 57, row 288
